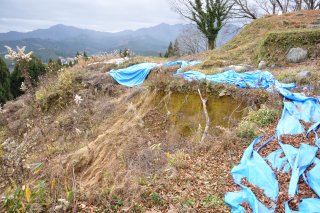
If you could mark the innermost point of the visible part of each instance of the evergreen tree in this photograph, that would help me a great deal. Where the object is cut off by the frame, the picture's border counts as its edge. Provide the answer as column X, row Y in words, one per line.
column 5, row 93
column 85, row 56
column 16, row 80
column 35, row 68
column 170, row 50
column 208, row 15
column 166, row 55
column 59, row 61
column 176, row 49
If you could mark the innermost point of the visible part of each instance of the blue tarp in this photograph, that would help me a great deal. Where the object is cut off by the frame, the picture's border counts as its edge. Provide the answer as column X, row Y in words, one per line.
column 132, row 76
column 256, row 79
column 136, row 74
column 253, row 166
column 255, row 169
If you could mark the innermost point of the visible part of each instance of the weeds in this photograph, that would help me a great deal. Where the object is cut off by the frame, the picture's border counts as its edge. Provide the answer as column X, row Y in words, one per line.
column 249, row 126
column 59, row 93
column 137, row 208
column 27, row 199
column 247, row 130
column 188, row 203
column 263, row 117
column 177, row 159
column 212, row 201
column 156, row 198
column 116, row 203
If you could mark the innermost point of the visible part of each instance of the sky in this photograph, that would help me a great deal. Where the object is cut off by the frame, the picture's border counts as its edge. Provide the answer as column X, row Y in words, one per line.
column 101, row 15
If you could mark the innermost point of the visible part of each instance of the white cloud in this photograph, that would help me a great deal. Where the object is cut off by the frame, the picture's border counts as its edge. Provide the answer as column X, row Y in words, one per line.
column 103, row 15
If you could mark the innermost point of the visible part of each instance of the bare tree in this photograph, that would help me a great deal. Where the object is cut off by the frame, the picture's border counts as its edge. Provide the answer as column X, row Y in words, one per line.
column 283, row 5
column 249, row 9
column 297, row 5
column 245, row 9
column 209, row 15
column 191, row 40
column 312, row 4
column 268, row 6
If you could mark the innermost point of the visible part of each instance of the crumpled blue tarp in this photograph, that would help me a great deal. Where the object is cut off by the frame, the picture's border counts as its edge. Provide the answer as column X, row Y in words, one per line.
column 253, row 167
column 256, row 79
column 297, row 108
column 133, row 75
column 136, row 74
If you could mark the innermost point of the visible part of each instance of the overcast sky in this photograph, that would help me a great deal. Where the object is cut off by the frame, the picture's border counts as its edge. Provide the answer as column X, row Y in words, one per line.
column 102, row 15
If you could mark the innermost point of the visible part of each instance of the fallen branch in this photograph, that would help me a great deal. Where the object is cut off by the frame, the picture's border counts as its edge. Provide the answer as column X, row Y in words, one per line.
column 206, row 129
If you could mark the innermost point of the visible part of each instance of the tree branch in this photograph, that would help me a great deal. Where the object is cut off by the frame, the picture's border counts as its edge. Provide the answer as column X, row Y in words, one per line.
column 206, row 129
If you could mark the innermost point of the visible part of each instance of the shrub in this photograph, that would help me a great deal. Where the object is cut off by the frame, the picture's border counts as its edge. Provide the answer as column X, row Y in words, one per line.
column 59, row 93
column 35, row 68
column 249, row 126
column 247, row 130
column 5, row 93
column 263, row 117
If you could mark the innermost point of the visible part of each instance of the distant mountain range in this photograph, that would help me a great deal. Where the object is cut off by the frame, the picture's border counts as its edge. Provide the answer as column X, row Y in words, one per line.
column 61, row 40
column 65, row 41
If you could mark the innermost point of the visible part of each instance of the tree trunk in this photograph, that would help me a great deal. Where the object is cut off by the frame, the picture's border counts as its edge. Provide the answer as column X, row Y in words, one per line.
column 212, row 43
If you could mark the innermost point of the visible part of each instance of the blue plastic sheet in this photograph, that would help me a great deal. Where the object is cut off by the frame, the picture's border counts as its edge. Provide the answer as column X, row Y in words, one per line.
column 256, row 79
column 132, row 76
column 136, row 74
column 297, row 108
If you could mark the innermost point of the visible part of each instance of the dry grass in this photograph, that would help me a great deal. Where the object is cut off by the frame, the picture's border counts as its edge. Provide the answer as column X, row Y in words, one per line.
column 244, row 48
column 137, row 149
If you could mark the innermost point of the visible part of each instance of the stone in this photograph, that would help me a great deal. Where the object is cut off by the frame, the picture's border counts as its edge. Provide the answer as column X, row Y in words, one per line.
column 262, row 65
column 224, row 93
column 296, row 55
column 238, row 68
column 303, row 75
column 249, row 67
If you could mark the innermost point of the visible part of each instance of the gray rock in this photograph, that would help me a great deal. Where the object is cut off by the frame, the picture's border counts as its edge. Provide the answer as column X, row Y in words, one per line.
column 238, row 68
column 224, row 93
column 249, row 67
column 303, row 75
column 262, row 65
column 296, row 55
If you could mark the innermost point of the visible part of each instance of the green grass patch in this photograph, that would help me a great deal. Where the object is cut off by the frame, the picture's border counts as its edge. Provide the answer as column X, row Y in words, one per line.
column 249, row 127
column 275, row 46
